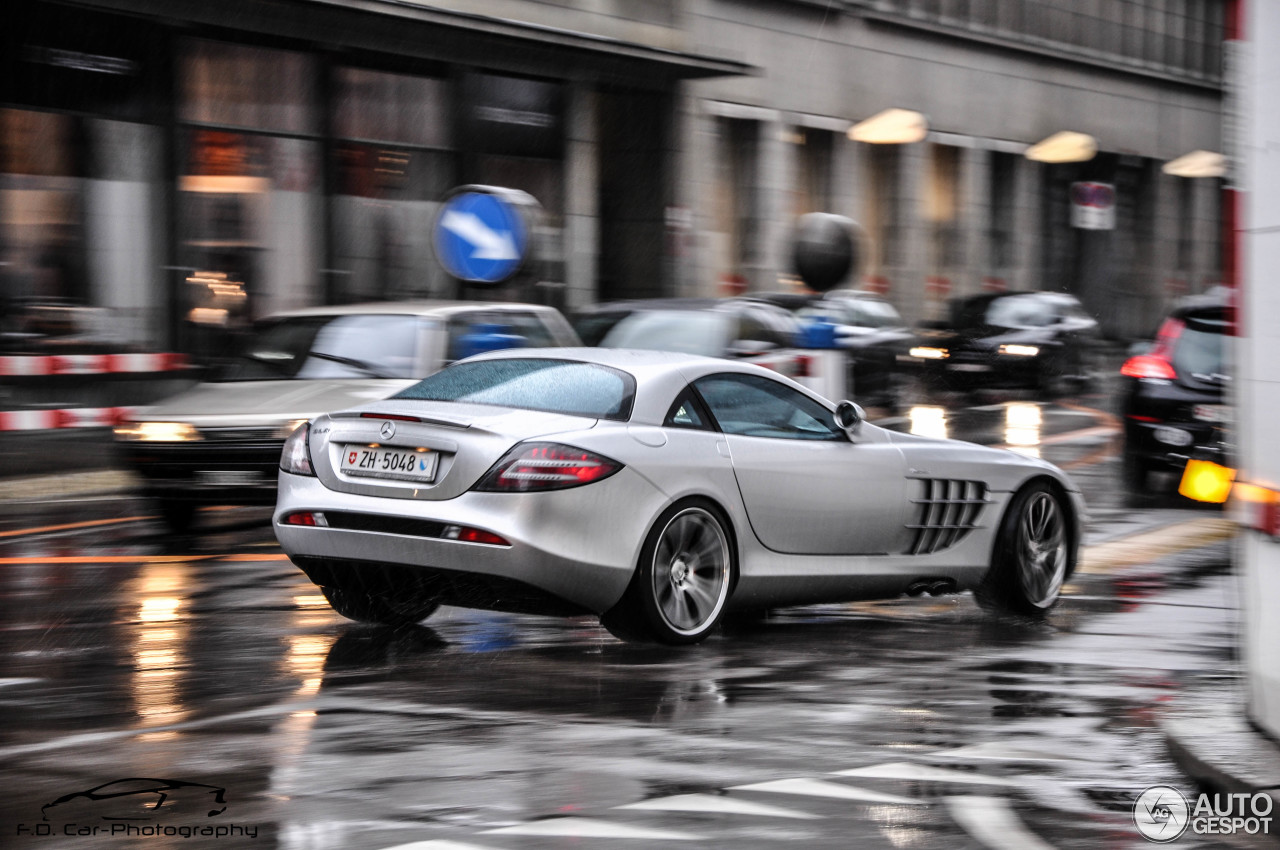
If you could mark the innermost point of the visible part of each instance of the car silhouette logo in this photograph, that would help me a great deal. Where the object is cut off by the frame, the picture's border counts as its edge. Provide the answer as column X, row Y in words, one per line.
column 140, row 799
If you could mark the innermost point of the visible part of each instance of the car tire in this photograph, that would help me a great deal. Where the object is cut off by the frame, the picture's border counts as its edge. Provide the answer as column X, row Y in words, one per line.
column 178, row 515
column 364, row 607
column 1032, row 556
column 682, row 581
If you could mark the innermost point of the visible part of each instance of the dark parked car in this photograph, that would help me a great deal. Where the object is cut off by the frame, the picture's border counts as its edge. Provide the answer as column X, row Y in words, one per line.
column 754, row 332
column 868, row 329
column 1174, row 393
column 1044, row 341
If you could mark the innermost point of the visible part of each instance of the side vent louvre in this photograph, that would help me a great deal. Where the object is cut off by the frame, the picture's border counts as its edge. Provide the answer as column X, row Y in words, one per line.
column 945, row 514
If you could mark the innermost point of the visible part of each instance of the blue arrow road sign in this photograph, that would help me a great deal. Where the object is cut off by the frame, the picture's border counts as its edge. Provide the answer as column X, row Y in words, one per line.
column 480, row 237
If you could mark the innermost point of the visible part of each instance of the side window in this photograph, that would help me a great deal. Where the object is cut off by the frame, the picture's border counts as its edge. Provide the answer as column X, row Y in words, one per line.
column 687, row 412
column 529, row 326
column 755, row 406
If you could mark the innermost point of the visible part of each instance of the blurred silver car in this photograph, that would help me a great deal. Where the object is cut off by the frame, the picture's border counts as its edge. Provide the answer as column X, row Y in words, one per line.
column 658, row 491
column 220, row 441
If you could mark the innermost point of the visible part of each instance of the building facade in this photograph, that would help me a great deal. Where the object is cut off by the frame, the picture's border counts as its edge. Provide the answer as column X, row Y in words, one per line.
column 189, row 165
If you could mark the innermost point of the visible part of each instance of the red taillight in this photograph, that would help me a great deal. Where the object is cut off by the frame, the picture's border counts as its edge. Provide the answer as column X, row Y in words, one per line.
column 546, row 466
column 308, row 518
column 1148, row 366
column 474, row 535
column 1158, row 363
column 804, row 367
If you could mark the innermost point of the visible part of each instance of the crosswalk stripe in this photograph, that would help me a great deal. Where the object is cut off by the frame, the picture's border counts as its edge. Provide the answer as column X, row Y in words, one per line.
column 999, row 751
column 438, row 844
column 924, row 773
column 590, row 828
column 993, row 822
column 822, row 788
column 716, row 804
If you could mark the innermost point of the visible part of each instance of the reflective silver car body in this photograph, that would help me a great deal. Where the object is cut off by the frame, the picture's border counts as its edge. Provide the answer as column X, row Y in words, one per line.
column 811, row 521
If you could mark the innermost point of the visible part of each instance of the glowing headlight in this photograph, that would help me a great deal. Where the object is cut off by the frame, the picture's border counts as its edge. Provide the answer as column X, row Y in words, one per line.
column 158, row 432
column 287, row 428
column 1020, row 350
column 926, row 353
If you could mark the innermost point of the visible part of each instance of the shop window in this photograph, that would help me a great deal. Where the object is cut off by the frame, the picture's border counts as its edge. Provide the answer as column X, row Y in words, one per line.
column 737, row 205
column 42, row 250
column 238, row 85
column 942, row 206
column 392, row 173
column 815, row 153
column 883, row 208
column 1003, row 203
column 377, row 106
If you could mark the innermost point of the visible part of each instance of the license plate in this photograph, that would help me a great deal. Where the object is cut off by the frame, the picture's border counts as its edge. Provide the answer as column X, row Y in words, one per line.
column 1213, row 412
column 382, row 462
column 969, row 367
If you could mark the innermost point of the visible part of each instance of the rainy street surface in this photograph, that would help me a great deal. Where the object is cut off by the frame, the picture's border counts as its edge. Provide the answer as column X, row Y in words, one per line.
column 210, row 672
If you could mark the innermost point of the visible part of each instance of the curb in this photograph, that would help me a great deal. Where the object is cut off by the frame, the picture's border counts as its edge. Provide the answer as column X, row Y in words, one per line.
column 1221, row 750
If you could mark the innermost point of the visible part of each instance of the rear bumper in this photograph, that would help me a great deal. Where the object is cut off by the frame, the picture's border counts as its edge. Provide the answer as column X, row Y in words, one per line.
column 578, row 546
column 1143, row 444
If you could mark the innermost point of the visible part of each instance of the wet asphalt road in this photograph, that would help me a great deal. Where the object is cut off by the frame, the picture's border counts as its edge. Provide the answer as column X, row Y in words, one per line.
column 921, row 723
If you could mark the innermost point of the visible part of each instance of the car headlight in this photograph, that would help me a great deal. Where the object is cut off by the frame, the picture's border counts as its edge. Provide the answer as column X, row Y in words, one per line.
column 158, row 432
column 1020, row 350
column 928, row 353
column 283, row 432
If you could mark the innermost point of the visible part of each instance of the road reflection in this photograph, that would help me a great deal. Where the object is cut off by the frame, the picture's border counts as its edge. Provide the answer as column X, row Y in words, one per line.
column 928, row 421
column 158, row 645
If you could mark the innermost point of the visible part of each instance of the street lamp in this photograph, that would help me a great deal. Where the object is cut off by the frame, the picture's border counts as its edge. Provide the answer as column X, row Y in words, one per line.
column 1064, row 146
column 1196, row 164
column 891, row 127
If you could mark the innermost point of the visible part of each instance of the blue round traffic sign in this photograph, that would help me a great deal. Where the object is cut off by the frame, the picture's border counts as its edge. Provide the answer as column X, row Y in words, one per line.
column 481, row 237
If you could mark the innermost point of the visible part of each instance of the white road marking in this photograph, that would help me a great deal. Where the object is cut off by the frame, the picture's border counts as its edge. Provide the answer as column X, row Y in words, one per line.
column 907, row 770
column 997, row 751
column 590, row 828
column 822, row 788
column 438, row 844
column 993, row 822
column 716, row 804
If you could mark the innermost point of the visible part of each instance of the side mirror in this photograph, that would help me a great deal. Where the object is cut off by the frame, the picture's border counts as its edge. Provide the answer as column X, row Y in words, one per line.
column 849, row 417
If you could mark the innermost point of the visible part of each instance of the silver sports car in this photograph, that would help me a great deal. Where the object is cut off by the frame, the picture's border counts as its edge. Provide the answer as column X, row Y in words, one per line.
column 658, row 491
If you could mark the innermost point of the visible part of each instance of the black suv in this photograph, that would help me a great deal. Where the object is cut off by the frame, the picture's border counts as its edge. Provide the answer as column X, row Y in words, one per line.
column 1174, row 394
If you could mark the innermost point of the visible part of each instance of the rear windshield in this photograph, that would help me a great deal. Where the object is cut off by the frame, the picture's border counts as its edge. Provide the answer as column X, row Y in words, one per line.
column 1201, row 353
column 1012, row 311
column 550, row 386
column 684, row 331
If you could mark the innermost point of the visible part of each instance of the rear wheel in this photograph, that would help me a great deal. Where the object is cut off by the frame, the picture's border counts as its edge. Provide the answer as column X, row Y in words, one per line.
column 682, row 580
column 1032, row 554
column 370, row 608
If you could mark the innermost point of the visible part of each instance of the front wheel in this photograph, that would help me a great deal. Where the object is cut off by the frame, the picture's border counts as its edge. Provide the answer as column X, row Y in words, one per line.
column 371, row 608
column 682, row 580
column 1032, row 554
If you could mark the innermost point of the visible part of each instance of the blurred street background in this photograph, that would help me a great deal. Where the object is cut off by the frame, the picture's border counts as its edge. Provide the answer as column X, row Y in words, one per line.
column 181, row 180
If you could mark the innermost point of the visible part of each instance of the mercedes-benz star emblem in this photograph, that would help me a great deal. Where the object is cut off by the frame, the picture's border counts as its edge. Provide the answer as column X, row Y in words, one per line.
column 388, row 430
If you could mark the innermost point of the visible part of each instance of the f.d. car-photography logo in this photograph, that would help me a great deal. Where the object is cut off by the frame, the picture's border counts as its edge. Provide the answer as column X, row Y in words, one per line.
column 139, row 808
column 1162, row 814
